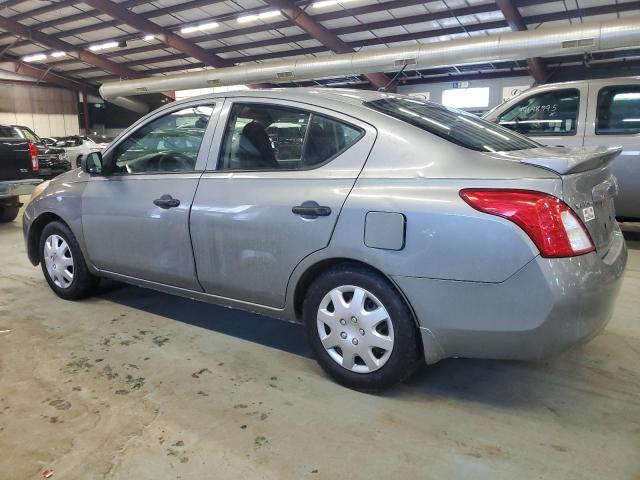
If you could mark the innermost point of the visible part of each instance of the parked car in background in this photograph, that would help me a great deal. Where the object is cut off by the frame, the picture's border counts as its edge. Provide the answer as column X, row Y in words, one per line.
column 101, row 141
column 401, row 231
column 604, row 112
column 49, row 141
column 19, row 169
column 79, row 146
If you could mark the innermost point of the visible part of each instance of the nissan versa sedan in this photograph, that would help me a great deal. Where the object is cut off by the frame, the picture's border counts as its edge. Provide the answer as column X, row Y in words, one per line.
column 399, row 232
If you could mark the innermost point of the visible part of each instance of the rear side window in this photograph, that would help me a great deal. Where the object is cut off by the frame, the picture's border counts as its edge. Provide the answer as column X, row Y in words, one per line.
column 618, row 110
column 459, row 127
column 264, row 137
column 9, row 132
column 548, row 113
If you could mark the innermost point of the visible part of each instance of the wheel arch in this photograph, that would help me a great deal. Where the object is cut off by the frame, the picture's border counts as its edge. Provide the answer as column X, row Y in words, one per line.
column 321, row 266
column 35, row 230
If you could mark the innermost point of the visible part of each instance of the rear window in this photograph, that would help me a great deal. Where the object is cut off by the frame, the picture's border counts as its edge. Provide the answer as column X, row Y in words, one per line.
column 618, row 110
column 459, row 127
column 10, row 132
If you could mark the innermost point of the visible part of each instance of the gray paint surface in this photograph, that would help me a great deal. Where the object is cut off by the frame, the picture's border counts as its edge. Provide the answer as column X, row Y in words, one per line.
column 234, row 241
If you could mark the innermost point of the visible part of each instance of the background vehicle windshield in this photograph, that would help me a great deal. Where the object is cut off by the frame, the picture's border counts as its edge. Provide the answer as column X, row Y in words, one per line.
column 459, row 127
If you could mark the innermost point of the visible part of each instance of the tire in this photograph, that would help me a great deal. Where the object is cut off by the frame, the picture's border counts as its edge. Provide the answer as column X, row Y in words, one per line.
column 8, row 214
column 79, row 161
column 59, row 250
column 370, row 354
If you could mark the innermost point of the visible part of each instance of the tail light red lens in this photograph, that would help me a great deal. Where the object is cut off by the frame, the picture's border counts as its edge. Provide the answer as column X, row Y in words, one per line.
column 33, row 152
column 550, row 223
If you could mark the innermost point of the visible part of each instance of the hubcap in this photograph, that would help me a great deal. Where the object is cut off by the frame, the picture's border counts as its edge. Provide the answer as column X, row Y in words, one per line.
column 58, row 260
column 363, row 344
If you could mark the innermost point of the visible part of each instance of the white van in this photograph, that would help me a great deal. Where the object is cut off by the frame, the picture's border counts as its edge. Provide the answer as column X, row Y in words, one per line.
column 604, row 112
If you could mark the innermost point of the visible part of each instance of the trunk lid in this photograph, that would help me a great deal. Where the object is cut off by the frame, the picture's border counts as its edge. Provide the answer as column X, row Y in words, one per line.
column 588, row 185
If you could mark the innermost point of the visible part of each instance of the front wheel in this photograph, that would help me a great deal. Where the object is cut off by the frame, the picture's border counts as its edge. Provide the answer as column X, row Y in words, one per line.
column 360, row 329
column 63, row 264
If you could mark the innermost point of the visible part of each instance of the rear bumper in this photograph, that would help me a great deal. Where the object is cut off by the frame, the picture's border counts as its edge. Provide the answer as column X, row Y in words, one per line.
column 548, row 306
column 14, row 188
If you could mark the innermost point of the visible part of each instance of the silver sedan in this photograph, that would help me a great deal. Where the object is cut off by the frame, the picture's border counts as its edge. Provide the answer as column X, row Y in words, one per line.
column 398, row 231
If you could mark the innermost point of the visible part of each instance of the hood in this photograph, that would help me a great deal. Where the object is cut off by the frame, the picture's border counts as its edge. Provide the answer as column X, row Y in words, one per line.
column 563, row 160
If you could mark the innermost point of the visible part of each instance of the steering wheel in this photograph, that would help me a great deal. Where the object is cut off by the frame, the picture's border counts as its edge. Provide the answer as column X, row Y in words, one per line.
column 175, row 161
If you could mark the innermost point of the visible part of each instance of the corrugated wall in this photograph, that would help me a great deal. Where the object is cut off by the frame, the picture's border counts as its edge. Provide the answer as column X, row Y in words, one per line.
column 50, row 112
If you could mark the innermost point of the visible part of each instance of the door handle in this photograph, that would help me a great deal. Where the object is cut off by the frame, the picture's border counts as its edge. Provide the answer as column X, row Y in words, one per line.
column 166, row 201
column 311, row 209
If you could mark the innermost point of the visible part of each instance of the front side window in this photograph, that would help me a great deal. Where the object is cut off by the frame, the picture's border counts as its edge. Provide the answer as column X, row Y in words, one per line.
column 167, row 144
column 548, row 113
column 265, row 137
column 456, row 126
column 618, row 110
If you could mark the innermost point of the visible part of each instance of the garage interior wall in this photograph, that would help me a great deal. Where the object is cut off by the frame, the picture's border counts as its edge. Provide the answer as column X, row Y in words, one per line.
column 500, row 89
column 48, row 111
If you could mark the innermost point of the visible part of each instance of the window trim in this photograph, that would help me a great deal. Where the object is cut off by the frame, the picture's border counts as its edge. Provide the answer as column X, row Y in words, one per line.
column 550, row 134
column 311, row 113
column 113, row 147
column 595, row 123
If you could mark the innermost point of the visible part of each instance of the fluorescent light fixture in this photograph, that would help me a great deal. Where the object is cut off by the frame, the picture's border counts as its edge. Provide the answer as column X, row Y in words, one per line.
column 148, row 38
column 58, row 54
column 199, row 28
column 103, row 46
column 328, row 3
column 34, row 58
column 259, row 16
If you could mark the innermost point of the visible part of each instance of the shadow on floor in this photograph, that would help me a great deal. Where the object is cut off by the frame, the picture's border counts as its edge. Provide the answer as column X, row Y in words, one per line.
column 289, row 337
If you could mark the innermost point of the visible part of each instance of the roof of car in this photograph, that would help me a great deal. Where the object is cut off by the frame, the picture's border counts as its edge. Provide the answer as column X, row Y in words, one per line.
column 304, row 94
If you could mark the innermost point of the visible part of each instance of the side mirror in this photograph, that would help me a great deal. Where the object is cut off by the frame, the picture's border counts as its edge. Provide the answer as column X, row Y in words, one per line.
column 92, row 163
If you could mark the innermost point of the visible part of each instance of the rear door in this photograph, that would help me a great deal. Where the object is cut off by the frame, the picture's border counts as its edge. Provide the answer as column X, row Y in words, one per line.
column 136, row 219
column 269, row 198
column 553, row 117
column 614, row 120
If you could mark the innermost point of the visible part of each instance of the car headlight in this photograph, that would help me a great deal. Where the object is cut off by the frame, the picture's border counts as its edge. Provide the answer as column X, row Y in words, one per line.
column 62, row 156
column 39, row 189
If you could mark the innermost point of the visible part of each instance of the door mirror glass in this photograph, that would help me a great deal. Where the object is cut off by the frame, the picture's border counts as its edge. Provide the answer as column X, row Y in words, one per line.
column 92, row 163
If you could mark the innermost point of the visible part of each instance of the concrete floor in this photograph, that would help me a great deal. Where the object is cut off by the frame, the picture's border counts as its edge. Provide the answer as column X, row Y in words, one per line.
column 134, row 384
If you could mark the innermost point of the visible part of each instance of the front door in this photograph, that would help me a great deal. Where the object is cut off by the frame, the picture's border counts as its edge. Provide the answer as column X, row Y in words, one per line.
column 272, row 194
column 135, row 218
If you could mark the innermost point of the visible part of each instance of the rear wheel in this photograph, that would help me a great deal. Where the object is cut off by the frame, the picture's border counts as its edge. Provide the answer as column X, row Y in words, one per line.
column 360, row 329
column 63, row 264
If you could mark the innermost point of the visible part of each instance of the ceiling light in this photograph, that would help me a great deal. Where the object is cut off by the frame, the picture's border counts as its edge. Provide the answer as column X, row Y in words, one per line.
column 259, row 16
column 103, row 46
column 199, row 28
column 34, row 58
column 149, row 38
column 328, row 3
column 58, row 54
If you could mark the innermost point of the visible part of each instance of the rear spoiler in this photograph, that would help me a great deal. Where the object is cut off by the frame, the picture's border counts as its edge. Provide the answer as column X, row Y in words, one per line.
column 576, row 159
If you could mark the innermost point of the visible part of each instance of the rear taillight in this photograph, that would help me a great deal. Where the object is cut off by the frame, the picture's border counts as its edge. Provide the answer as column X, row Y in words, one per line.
column 550, row 223
column 33, row 152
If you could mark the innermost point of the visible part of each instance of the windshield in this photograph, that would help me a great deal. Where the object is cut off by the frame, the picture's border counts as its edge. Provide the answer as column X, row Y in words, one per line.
column 459, row 127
